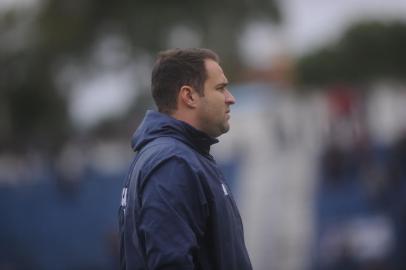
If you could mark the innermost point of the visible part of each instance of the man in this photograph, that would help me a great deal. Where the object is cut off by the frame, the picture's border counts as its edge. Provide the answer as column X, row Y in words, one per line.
column 177, row 211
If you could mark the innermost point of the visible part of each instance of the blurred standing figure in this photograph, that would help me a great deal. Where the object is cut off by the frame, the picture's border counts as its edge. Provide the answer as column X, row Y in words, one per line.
column 176, row 210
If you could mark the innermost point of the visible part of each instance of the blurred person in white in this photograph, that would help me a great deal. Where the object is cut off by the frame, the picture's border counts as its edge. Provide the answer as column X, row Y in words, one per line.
column 177, row 211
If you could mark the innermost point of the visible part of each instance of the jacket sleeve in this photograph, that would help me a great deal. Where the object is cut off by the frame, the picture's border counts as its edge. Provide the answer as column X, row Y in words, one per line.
column 172, row 217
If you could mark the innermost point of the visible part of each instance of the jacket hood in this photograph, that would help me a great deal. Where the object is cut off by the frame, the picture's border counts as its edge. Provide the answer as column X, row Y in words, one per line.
column 155, row 125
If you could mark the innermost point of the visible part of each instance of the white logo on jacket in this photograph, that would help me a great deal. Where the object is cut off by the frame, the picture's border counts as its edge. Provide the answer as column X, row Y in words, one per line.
column 224, row 189
column 124, row 198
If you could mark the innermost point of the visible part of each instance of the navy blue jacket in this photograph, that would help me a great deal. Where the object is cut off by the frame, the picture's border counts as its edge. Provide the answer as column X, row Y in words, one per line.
column 176, row 210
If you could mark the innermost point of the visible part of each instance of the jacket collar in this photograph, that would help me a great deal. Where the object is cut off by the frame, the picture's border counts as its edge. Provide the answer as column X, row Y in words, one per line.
column 155, row 125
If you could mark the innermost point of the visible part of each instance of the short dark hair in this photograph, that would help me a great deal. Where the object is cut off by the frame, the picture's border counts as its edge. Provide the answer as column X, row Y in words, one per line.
column 175, row 68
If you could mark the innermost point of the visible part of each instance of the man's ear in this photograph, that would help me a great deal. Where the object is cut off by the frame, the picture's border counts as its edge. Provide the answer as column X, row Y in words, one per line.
column 188, row 96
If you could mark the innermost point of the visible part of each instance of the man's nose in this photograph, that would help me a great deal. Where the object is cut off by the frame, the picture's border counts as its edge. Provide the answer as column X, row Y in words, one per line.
column 229, row 98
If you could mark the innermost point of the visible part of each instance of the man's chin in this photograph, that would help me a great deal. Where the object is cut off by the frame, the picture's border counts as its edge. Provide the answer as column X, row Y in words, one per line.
column 226, row 128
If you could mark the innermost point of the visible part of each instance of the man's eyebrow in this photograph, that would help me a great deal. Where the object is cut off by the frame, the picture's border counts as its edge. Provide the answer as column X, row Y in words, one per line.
column 221, row 85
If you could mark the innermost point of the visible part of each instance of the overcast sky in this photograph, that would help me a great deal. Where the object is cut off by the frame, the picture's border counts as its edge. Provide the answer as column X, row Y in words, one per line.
column 313, row 22
column 309, row 24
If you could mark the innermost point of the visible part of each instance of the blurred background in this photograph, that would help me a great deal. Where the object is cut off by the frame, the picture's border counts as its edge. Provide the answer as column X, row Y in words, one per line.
column 317, row 151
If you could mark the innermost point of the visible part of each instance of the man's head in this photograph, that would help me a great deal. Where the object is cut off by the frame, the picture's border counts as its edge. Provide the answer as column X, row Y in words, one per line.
column 175, row 68
column 190, row 85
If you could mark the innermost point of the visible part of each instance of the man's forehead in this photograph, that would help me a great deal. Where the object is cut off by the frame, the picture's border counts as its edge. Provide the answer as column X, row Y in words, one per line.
column 214, row 71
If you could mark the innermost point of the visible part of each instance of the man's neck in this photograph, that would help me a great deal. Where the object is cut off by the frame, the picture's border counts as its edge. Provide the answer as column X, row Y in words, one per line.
column 186, row 117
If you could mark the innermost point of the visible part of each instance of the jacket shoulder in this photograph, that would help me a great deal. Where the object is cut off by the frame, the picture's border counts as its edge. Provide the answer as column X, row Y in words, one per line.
column 163, row 149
